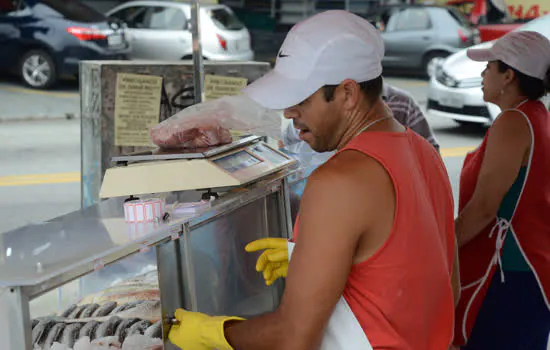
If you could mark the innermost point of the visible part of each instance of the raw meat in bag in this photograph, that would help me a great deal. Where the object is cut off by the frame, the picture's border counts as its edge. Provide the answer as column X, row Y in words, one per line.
column 209, row 123
column 190, row 134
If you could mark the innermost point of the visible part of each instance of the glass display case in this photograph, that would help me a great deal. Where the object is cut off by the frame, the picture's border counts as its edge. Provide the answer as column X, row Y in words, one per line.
column 91, row 274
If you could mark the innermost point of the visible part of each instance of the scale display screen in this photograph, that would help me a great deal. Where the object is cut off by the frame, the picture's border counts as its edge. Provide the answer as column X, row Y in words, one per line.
column 236, row 161
column 268, row 154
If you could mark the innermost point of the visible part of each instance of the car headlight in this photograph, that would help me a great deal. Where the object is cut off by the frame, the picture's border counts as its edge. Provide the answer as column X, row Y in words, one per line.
column 445, row 78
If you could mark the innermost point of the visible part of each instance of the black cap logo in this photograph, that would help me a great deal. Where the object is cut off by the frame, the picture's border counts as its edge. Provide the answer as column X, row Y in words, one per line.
column 281, row 54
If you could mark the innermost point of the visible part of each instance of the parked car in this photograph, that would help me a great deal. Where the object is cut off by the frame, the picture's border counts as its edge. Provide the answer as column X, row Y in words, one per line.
column 455, row 89
column 419, row 36
column 161, row 30
column 491, row 17
column 43, row 40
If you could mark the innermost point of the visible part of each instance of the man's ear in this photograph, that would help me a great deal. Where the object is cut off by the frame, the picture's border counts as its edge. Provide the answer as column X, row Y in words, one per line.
column 351, row 93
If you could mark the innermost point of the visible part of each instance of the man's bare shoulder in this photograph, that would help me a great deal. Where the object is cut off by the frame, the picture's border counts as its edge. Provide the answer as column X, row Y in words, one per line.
column 351, row 172
column 349, row 164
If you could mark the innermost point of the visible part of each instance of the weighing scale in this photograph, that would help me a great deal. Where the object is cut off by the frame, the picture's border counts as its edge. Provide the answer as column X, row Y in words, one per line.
column 233, row 165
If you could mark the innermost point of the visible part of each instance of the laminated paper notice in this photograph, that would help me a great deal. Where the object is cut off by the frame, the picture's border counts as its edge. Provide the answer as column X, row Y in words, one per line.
column 137, row 108
column 216, row 86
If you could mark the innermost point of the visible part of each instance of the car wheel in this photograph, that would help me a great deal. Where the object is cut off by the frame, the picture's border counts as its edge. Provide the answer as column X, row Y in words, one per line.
column 431, row 61
column 37, row 69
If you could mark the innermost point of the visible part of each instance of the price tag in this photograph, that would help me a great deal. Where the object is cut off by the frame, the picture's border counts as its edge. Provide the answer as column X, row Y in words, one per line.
column 99, row 264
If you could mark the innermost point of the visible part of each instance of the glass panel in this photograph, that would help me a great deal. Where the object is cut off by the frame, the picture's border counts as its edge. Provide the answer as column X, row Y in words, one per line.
column 413, row 19
column 74, row 10
column 167, row 18
column 224, row 19
column 224, row 273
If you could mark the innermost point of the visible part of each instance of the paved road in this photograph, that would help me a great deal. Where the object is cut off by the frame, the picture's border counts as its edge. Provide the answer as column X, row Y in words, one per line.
column 41, row 159
column 20, row 103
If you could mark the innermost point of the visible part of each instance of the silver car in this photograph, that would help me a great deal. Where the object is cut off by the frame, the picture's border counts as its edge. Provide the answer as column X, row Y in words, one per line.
column 455, row 88
column 161, row 30
column 419, row 36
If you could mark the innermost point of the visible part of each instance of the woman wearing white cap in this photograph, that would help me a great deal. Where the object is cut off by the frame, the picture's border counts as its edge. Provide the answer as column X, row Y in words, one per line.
column 503, row 229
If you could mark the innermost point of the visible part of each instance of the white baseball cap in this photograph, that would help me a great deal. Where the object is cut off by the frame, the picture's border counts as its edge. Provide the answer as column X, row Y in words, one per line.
column 526, row 51
column 325, row 49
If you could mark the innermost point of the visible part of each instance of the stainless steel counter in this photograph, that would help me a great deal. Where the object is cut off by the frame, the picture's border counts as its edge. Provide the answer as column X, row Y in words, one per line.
column 201, row 261
column 200, row 258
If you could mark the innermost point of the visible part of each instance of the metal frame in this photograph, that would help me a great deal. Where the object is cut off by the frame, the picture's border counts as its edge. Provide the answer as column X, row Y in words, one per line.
column 198, row 72
column 15, row 323
column 174, row 272
column 171, row 155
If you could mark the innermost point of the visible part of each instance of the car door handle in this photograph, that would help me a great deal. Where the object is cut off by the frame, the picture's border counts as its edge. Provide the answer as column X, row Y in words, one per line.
column 426, row 37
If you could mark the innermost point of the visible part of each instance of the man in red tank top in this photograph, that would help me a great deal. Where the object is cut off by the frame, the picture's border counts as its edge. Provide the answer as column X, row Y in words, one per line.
column 373, row 257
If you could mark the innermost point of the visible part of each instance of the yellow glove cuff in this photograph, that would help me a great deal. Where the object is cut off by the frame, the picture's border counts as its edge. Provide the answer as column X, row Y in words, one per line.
column 216, row 337
column 198, row 331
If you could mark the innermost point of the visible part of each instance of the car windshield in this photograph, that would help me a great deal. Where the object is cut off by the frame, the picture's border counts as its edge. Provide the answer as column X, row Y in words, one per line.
column 72, row 10
column 459, row 17
column 541, row 25
column 224, row 19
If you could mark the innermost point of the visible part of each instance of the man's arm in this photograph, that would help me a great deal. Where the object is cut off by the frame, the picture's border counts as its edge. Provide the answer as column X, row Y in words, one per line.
column 419, row 124
column 332, row 219
column 408, row 112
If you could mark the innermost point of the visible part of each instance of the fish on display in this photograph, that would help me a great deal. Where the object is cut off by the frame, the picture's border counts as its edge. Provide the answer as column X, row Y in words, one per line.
column 107, row 328
column 68, row 311
column 77, row 311
column 88, row 330
column 103, row 323
column 70, row 334
column 89, row 310
column 122, row 329
column 107, row 342
column 155, row 331
column 126, row 306
column 139, row 327
column 146, row 310
column 105, row 309
column 54, row 335
column 41, row 330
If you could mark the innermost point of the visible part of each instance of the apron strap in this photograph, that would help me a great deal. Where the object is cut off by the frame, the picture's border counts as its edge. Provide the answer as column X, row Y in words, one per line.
column 501, row 228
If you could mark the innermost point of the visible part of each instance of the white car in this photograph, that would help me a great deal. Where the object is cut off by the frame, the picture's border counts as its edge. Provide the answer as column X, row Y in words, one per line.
column 455, row 88
column 161, row 30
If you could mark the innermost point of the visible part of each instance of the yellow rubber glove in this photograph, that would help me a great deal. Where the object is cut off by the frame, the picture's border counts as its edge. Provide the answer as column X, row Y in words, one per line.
column 197, row 331
column 273, row 262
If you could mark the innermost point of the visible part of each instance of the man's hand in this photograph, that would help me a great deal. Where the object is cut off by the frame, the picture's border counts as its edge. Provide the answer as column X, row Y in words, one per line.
column 197, row 331
column 274, row 260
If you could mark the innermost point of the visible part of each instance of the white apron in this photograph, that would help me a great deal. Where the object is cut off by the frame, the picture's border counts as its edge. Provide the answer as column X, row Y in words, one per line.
column 343, row 331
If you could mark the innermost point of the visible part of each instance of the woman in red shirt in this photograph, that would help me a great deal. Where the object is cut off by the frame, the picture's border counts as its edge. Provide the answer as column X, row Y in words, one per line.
column 503, row 229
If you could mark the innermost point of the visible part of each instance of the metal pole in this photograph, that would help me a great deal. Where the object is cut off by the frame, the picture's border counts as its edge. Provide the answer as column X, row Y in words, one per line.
column 273, row 8
column 198, row 67
column 15, row 320
column 189, row 268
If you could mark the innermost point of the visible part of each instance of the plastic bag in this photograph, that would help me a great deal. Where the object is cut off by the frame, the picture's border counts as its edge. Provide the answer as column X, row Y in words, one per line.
column 215, row 122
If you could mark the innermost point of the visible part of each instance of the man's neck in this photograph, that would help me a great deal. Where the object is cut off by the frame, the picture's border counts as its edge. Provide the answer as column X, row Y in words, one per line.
column 377, row 111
